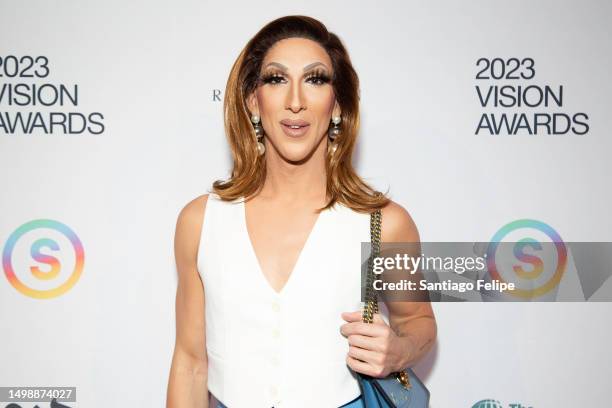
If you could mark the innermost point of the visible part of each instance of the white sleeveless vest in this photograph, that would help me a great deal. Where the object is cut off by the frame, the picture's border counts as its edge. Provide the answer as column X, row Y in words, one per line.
column 268, row 349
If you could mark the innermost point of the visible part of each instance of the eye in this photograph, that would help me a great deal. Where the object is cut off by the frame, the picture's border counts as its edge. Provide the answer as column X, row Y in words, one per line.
column 315, row 78
column 272, row 79
column 318, row 78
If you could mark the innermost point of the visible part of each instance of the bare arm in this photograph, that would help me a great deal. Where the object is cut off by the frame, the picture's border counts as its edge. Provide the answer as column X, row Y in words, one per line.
column 187, row 384
column 414, row 322
column 377, row 348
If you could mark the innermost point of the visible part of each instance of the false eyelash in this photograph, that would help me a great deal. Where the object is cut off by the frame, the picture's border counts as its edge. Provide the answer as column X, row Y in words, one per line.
column 317, row 75
column 269, row 78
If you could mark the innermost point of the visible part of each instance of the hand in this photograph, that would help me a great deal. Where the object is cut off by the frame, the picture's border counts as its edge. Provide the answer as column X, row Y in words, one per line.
column 374, row 348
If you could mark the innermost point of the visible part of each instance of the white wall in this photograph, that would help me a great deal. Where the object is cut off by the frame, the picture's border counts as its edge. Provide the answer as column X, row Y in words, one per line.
column 151, row 67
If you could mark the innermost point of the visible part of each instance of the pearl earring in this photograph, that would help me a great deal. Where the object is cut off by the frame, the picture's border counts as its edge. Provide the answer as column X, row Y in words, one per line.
column 259, row 133
column 333, row 134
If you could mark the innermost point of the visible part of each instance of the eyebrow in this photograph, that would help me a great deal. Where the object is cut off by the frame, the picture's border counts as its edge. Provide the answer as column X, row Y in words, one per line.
column 284, row 68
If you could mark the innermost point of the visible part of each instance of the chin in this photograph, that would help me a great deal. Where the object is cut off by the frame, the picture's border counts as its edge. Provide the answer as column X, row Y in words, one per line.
column 295, row 151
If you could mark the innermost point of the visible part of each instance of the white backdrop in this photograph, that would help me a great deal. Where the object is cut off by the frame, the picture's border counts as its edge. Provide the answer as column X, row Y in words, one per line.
column 149, row 69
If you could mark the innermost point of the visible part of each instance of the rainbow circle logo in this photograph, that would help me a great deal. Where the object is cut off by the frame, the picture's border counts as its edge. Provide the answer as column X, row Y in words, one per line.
column 555, row 238
column 34, row 250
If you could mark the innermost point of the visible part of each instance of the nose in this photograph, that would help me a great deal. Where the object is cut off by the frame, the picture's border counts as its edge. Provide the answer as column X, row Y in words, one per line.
column 295, row 98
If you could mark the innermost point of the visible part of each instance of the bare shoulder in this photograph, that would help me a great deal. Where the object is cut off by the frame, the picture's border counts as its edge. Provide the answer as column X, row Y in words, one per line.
column 398, row 225
column 188, row 229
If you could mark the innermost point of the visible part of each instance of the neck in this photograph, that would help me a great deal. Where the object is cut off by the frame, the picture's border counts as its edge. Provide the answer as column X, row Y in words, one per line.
column 293, row 182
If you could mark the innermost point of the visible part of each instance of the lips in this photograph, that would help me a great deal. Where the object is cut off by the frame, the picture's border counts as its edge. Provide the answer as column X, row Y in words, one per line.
column 294, row 122
column 294, row 128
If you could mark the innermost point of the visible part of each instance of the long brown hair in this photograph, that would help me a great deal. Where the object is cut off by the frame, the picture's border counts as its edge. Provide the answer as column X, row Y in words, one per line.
column 249, row 170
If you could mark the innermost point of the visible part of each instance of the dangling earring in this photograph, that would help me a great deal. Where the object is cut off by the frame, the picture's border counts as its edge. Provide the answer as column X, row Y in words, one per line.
column 259, row 133
column 333, row 133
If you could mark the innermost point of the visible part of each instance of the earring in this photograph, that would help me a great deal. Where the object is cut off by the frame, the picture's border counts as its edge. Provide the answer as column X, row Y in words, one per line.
column 333, row 133
column 259, row 133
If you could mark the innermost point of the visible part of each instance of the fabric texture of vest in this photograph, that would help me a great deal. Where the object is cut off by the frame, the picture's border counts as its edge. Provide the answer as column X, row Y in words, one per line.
column 267, row 349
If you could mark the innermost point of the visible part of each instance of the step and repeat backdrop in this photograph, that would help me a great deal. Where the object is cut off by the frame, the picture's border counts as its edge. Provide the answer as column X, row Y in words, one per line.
column 481, row 118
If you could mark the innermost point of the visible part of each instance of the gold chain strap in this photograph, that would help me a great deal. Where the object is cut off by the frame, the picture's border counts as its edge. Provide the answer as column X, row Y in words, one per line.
column 371, row 302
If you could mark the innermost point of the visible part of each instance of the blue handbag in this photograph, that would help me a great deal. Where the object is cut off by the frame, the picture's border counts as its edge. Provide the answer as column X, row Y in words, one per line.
column 398, row 390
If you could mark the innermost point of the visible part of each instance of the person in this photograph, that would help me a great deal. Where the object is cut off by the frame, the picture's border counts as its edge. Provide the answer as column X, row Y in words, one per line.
column 268, row 298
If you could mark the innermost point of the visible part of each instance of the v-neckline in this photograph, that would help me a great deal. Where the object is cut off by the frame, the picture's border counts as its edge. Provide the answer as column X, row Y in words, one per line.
column 298, row 262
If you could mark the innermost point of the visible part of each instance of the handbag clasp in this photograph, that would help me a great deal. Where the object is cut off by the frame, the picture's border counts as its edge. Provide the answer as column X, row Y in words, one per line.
column 402, row 377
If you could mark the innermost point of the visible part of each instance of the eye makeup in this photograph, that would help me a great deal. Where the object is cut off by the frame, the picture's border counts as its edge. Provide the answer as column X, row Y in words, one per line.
column 316, row 77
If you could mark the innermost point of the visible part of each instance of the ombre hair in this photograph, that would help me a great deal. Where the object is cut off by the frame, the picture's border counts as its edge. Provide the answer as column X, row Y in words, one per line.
column 249, row 170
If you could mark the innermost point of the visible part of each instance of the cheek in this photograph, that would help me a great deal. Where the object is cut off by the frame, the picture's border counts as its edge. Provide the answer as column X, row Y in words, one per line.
column 320, row 99
column 270, row 101
column 321, row 105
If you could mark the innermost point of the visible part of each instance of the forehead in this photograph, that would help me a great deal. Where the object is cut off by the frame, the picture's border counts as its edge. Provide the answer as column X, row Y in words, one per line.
column 296, row 53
